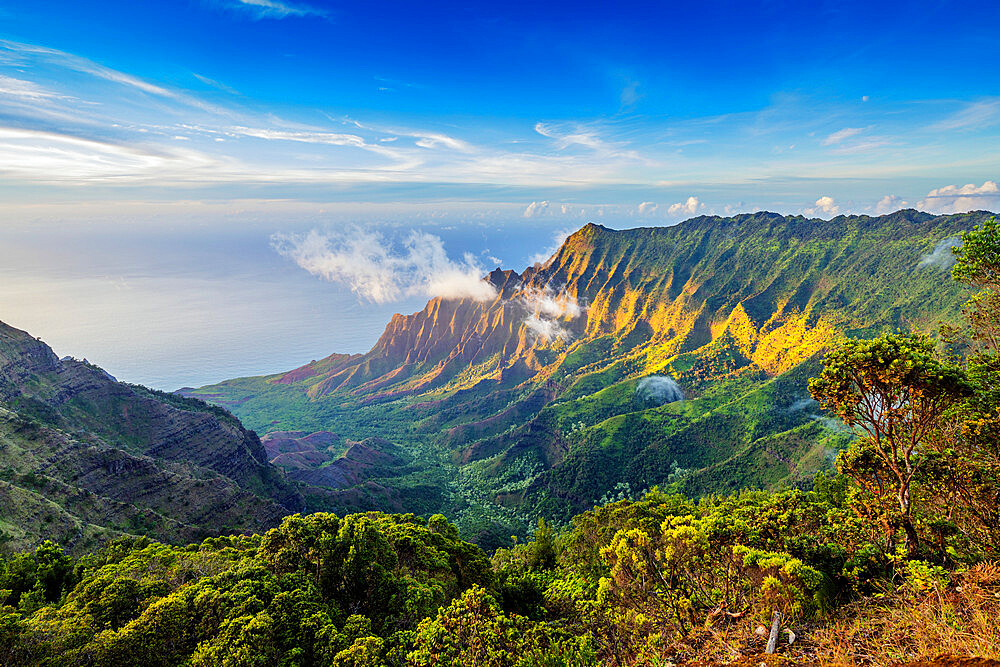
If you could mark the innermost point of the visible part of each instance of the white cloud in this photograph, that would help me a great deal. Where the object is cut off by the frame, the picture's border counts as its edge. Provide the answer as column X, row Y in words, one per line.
column 85, row 66
column 536, row 208
column 942, row 257
column 647, row 207
column 546, row 329
column 551, row 304
column 567, row 135
column 380, row 271
column 630, row 95
column 48, row 157
column 564, row 139
column 974, row 116
column 546, row 309
column 434, row 140
column 841, row 135
column 689, row 207
column 861, row 146
column 824, row 206
column 273, row 9
column 889, row 204
column 24, row 89
column 215, row 84
column 331, row 138
column 955, row 199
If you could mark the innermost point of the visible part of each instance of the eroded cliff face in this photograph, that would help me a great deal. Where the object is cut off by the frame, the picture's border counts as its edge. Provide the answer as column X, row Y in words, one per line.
column 190, row 469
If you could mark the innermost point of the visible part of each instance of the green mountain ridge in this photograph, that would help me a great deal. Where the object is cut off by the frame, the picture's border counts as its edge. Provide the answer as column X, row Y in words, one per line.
column 84, row 457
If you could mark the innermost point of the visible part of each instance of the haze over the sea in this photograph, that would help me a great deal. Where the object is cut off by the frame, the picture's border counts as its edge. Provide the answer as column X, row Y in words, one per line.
column 200, row 190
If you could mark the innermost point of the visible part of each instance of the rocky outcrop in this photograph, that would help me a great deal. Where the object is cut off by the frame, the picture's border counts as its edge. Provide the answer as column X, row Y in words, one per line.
column 188, row 462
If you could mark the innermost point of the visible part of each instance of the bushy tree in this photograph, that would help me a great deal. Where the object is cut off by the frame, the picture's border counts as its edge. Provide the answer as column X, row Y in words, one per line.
column 895, row 389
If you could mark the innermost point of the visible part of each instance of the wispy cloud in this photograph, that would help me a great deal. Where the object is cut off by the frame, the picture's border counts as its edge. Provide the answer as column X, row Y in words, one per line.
column 548, row 310
column 47, row 157
column 861, row 146
column 941, row 256
column 73, row 121
column 274, row 9
column 85, row 66
column 25, row 89
column 841, row 135
column 575, row 137
column 329, row 138
column 630, row 95
column 215, row 84
column 974, row 116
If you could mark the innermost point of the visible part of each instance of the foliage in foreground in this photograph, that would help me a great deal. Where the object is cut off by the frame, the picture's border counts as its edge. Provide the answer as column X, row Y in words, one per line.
column 630, row 583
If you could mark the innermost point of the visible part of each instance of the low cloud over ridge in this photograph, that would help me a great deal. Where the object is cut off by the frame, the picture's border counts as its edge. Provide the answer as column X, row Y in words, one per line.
column 547, row 308
column 381, row 271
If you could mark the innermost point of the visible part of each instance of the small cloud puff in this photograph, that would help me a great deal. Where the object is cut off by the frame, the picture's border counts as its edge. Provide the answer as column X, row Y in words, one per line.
column 689, row 207
column 647, row 208
column 955, row 199
column 824, row 206
column 889, row 204
column 536, row 208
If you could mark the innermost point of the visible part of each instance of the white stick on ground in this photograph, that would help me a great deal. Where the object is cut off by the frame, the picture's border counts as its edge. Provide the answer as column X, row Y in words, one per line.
column 772, row 642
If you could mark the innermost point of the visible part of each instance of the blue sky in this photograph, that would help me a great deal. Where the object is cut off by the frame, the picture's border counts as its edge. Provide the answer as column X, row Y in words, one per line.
column 640, row 110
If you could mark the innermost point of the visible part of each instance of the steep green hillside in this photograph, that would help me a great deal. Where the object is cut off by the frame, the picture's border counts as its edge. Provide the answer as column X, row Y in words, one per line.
column 537, row 402
column 83, row 456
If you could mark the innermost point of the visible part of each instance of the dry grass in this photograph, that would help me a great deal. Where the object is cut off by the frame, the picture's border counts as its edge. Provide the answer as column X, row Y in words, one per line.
column 961, row 621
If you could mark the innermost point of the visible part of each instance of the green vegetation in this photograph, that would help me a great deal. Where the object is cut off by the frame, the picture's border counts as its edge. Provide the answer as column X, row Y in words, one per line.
column 638, row 582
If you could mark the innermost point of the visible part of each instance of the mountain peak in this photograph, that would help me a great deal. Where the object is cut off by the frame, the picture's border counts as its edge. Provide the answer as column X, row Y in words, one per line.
column 589, row 231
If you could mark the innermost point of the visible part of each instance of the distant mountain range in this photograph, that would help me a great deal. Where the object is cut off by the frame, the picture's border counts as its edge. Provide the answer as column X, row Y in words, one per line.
column 84, row 457
column 563, row 390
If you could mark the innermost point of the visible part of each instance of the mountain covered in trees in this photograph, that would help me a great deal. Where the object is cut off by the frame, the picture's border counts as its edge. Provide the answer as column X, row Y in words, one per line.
column 674, row 357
